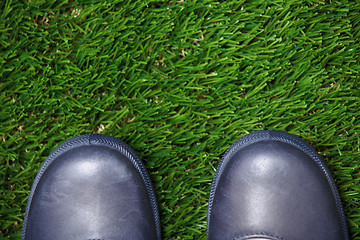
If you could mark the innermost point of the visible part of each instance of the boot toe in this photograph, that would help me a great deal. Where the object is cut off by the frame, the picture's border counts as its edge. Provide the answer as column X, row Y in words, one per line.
column 272, row 182
column 96, row 189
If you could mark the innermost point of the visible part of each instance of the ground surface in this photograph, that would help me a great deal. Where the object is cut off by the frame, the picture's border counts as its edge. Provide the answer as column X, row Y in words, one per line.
column 179, row 81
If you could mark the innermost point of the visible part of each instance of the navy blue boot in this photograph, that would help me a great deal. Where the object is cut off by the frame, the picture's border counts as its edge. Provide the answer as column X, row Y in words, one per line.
column 273, row 185
column 92, row 187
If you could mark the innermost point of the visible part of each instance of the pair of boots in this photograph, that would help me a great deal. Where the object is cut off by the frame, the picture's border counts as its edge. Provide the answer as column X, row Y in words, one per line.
column 269, row 185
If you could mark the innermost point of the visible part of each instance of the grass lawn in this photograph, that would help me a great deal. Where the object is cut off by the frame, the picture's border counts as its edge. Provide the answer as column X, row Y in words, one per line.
column 179, row 81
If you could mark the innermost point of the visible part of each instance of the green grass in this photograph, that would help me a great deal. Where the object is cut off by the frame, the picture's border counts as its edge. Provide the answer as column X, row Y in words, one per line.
column 179, row 81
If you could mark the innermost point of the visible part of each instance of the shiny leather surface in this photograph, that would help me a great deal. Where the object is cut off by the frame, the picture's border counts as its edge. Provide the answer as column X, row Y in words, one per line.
column 273, row 187
column 258, row 236
column 90, row 192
